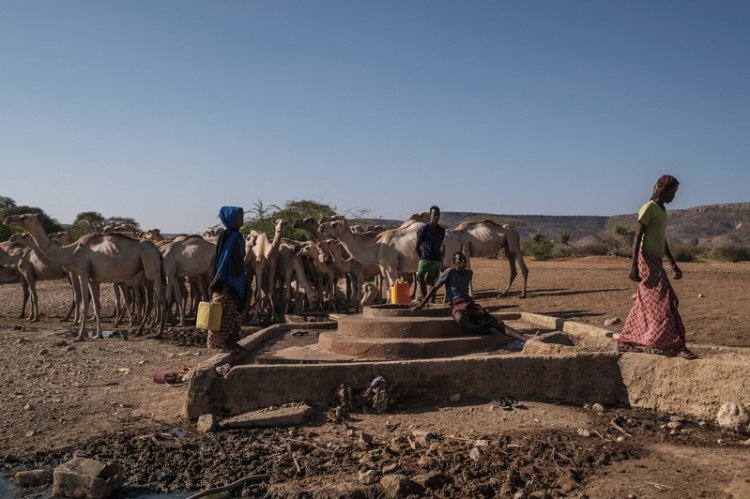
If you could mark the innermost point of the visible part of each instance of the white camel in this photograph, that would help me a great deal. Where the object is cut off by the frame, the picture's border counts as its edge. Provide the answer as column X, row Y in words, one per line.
column 358, row 271
column 33, row 267
column 487, row 238
column 289, row 270
column 394, row 250
column 265, row 253
column 327, row 274
column 100, row 258
column 193, row 258
column 10, row 256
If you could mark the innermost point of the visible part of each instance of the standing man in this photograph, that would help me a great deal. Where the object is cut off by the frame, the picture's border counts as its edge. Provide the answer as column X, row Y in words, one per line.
column 430, row 250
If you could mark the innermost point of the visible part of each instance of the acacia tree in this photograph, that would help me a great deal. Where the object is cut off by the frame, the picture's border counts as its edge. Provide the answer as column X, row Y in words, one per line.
column 265, row 216
column 6, row 202
column 87, row 222
column 115, row 221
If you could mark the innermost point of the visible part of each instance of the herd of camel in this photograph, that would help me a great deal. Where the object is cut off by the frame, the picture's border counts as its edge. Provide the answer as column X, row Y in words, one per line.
column 150, row 273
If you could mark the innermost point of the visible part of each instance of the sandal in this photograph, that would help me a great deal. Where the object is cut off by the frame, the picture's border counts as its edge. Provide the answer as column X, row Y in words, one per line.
column 687, row 354
column 628, row 347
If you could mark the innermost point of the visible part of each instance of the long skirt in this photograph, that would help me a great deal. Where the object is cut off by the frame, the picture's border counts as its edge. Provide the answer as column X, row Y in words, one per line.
column 228, row 332
column 654, row 321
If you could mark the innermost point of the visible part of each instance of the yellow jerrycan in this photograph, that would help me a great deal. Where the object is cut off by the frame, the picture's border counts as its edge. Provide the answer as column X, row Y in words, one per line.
column 208, row 316
column 400, row 292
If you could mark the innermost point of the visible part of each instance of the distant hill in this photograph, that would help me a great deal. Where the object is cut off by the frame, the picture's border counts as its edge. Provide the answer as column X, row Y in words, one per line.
column 703, row 226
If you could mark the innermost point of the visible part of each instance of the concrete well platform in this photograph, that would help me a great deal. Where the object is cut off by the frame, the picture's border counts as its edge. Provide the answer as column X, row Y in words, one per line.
column 390, row 332
column 568, row 362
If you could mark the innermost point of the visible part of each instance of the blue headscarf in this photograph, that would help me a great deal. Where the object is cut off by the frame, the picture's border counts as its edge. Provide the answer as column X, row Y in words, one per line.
column 230, row 253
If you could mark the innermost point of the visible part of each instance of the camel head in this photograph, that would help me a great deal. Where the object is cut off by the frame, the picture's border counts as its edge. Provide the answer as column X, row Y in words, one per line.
column 309, row 249
column 279, row 226
column 25, row 221
column 334, row 229
column 22, row 240
column 304, row 223
column 324, row 254
column 62, row 238
column 422, row 216
column 152, row 235
column 330, row 218
column 251, row 240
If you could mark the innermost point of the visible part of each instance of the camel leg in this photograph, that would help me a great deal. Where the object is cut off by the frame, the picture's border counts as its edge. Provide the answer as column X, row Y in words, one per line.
column 471, row 286
column 147, row 304
column 176, row 286
column 513, row 273
column 119, row 312
column 34, row 315
column 25, row 288
column 28, row 276
column 97, row 308
column 332, row 290
column 70, row 311
column 271, row 288
column 84, row 307
column 524, row 274
column 354, row 284
column 184, row 296
column 258, row 295
column 349, row 291
column 139, row 304
column 77, row 293
column 160, row 299
column 286, row 293
column 118, row 300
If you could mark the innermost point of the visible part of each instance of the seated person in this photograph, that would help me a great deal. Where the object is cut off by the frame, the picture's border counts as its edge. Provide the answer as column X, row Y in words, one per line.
column 466, row 312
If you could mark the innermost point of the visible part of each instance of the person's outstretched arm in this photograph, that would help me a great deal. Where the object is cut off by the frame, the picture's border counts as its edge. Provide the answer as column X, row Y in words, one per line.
column 429, row 295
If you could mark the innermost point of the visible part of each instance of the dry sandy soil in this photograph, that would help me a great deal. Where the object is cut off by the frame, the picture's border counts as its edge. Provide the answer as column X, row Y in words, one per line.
column 97, row 399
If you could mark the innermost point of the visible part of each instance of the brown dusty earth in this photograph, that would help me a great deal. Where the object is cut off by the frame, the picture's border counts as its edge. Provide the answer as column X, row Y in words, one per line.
column 97, row 399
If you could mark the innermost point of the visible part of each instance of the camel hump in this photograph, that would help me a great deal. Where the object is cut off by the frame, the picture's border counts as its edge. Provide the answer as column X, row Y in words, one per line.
column 473, row 223
column 192, row 237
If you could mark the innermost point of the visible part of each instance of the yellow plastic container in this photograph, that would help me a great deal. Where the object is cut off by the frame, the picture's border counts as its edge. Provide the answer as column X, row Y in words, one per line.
column 400, row 292
column 209, row 316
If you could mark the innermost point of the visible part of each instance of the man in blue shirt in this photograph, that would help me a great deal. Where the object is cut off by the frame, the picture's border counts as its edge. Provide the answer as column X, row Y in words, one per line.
column 430, row 250
column 466, row 312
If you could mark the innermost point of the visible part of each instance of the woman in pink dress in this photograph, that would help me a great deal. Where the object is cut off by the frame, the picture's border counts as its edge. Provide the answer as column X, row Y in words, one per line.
column 654, row 322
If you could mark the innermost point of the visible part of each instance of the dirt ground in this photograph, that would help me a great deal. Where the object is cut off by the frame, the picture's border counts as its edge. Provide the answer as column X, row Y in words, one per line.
column 97, row 399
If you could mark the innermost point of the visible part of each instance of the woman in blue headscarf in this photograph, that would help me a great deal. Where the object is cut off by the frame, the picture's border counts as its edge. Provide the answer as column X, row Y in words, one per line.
column 230, row 280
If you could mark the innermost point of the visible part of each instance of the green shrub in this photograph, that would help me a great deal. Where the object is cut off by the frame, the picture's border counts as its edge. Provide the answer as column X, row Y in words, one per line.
column 566, row 252
column 538, row 247
column 594, row 249
column 687, row 253
column 728, row 253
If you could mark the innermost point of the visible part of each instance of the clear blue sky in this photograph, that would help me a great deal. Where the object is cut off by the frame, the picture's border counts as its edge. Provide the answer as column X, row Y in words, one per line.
column 165, row 110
